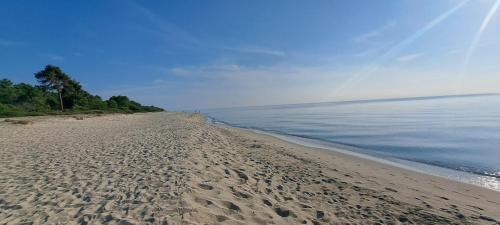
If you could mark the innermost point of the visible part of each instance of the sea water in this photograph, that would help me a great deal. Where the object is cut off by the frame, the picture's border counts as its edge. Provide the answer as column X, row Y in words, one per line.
column 452, row 136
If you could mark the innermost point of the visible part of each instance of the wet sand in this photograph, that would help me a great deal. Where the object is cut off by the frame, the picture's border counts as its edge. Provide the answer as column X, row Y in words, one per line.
column 175, row 168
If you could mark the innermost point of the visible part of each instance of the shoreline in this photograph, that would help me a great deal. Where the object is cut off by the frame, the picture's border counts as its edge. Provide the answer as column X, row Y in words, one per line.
column 178, row 168
column 398, row 176
column 480, row 180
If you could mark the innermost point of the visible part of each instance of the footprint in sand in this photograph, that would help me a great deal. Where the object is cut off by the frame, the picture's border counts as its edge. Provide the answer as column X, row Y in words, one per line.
column 320, row 214
column 221, row 218
column 283, row 212
column 242, row 194
column 204, row 202
column 231, row 206
column 267, row 202
column 206, row 187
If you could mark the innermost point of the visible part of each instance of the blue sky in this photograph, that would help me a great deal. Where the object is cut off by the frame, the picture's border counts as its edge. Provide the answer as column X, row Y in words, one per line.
column 203, row 54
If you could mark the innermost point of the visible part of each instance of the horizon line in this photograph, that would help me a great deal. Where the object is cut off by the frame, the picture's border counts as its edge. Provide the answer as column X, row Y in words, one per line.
column 415, row 98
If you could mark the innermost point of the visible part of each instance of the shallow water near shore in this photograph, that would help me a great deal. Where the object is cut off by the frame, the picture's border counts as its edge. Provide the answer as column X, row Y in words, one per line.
column 454, row 137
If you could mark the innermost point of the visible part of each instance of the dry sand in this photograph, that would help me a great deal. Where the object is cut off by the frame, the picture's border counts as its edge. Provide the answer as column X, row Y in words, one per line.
column 175, row 168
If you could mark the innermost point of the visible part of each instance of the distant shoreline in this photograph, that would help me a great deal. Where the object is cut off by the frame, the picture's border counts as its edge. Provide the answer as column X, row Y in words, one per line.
column 358, row 101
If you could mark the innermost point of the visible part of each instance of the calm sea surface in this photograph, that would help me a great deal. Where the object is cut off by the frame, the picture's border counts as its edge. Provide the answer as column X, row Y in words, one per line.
column 457, row 133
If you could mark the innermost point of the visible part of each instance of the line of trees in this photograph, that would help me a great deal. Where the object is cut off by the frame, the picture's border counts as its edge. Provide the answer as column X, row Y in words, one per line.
column 58, row 93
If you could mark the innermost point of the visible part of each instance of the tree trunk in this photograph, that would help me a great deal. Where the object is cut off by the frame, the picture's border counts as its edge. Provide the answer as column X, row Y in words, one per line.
column 60, row 100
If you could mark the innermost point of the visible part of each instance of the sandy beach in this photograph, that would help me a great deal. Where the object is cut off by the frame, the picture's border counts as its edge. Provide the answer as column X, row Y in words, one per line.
column 176, row 168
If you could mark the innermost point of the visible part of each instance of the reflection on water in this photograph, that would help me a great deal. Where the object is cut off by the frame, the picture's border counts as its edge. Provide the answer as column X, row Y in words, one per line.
column 458, row 133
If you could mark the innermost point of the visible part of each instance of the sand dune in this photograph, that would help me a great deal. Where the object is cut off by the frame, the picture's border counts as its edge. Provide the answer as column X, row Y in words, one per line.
column 175, row 168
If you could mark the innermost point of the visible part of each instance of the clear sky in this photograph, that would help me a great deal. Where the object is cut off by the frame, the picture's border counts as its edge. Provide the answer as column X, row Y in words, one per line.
column 203, row 54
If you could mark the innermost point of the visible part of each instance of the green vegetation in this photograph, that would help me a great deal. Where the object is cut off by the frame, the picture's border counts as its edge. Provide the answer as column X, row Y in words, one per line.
column 58, row 93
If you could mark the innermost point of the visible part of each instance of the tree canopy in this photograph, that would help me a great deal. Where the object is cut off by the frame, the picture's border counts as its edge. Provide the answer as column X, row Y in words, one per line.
column 57, row 92
column 53, row 78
